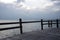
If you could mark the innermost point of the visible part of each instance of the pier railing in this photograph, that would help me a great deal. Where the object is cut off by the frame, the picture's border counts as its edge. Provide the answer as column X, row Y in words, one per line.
column 48, row 22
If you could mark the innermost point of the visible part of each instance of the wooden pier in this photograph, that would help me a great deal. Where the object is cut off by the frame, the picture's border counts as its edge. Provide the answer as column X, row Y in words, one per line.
column 49, row 23
column 43, row 34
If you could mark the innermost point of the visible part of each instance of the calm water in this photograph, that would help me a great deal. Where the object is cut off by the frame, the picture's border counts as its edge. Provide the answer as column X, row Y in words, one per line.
column 26, row 28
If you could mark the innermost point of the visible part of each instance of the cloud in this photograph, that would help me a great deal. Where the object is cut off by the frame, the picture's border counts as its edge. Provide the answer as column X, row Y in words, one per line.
column 18, row 1
column 29, row 5
column 8, row 1
column 39, row 5
column 21, row 9
column 11, row 1
column 57, row 3
column 55, row 0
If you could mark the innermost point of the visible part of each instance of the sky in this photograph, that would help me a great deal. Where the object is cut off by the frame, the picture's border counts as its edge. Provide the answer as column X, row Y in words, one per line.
column 29, row 9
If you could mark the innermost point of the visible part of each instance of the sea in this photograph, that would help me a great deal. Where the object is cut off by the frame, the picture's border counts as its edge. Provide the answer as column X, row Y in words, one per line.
column 27, row 27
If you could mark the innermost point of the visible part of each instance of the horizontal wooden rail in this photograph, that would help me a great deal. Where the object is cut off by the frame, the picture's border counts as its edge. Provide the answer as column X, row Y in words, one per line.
column 50, row 20
column 9, row 23
column 1, row 29
column 25, row 22
column 18, row 22
column 50, row 23
column 31, row 21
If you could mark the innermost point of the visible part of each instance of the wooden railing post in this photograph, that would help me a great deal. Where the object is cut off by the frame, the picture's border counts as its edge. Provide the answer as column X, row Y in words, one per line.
column 51, row 23
column 41, row 24
column 20, row 21
column 57, row 23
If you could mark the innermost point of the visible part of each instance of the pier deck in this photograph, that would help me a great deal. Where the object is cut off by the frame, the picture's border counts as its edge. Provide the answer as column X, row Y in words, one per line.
column 46, row 34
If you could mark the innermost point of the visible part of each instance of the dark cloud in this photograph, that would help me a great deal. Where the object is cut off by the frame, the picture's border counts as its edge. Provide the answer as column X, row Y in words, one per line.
column 55, row 0
column 18, row 1
column 57, row 4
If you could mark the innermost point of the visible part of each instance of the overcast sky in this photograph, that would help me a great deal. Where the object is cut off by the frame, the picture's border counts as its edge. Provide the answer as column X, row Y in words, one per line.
column 29, row 9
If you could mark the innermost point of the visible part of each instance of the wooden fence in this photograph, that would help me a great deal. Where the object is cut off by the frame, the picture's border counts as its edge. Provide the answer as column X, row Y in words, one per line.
column 49, row 23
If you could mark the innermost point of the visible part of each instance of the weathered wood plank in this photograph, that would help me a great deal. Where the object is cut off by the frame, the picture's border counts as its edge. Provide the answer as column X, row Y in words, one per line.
column 21, row 31
column 9, row 23
column 2, row 29
column 57, row 23
column 41, row 24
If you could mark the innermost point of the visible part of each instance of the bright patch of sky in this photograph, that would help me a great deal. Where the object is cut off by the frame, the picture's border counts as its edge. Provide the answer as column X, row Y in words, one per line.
column 38, row 3
column 8, row 1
